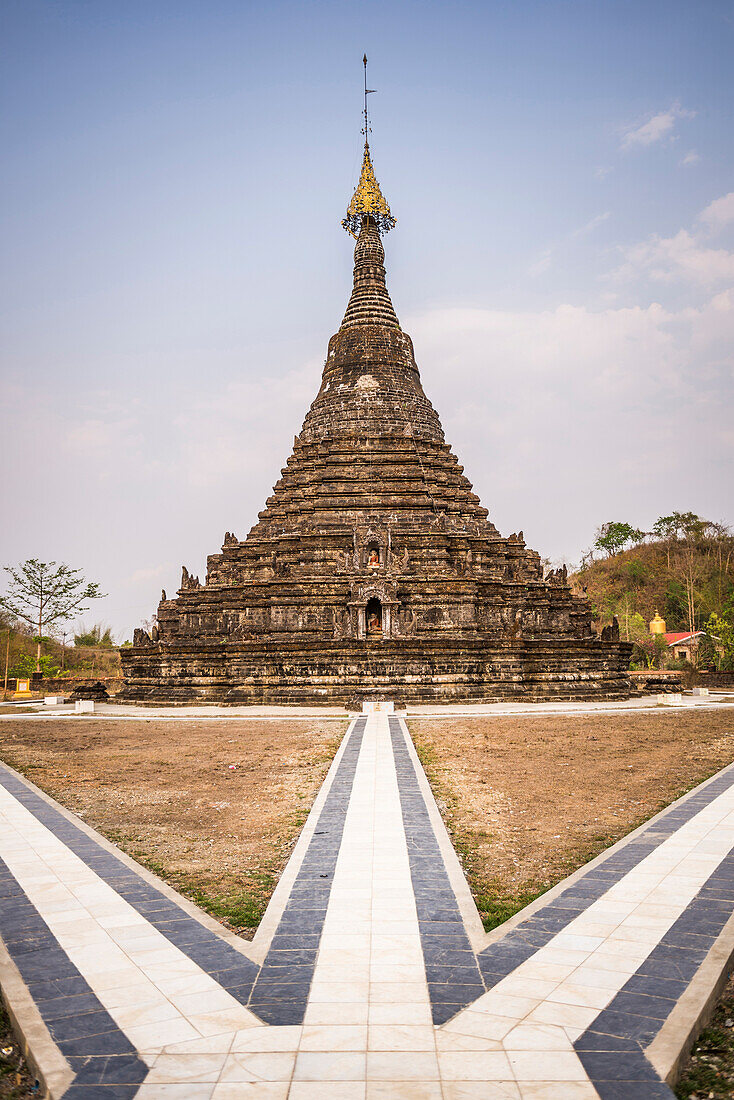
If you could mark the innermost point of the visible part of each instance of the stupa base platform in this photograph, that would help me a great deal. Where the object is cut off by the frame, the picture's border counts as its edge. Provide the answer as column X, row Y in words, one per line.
column 293, row 674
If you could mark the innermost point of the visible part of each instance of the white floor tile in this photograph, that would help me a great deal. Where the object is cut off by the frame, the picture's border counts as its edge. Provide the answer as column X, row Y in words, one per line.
column 401, row 1066
column 333, row 1066
column 541, row 1065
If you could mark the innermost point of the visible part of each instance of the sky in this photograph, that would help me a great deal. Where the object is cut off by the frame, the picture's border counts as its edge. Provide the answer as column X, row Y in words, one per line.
column 173, row 264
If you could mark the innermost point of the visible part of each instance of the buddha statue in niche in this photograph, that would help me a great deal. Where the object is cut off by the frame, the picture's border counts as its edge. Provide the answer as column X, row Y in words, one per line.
column 373, row 615
column 373, row 558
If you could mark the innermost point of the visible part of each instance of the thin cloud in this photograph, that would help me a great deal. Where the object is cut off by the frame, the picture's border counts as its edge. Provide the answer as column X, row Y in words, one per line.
column 544, row 260
column 684, row 257
column 541, row 265
column 691, row 157
column 681, row 257
column 595, row 394
column 655, row 129
column 592, row 225
column 719, row 213
column 148, row 574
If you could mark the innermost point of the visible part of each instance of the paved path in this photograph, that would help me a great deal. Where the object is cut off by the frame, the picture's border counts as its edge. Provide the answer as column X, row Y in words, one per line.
column 370, row 976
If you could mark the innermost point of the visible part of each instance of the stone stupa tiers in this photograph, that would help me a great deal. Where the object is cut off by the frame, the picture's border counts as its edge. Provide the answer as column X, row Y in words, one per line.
column 373, row 570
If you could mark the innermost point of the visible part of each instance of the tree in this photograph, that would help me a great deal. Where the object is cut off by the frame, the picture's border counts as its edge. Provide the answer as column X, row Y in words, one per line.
column 613, row 537
column 24, row 665
column 44, row 594
column 681, row 525
column 688, row 559
column 98, row 635
column 721, row 629
column 652, row 648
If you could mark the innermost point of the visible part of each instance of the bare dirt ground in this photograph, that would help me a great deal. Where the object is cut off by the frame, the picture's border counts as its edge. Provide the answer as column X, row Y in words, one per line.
column 213, row 807
column 527, row 800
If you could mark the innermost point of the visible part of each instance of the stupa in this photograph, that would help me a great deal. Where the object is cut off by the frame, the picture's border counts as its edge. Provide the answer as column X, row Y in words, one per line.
column 373, row 571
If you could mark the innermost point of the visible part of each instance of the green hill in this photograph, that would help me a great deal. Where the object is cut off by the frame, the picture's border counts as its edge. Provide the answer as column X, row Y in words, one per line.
column 687, row 576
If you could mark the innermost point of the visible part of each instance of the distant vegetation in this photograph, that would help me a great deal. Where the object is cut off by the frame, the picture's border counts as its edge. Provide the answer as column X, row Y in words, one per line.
column 99, row 635
column 43, row 595
column 683, row 568
column 60, row 656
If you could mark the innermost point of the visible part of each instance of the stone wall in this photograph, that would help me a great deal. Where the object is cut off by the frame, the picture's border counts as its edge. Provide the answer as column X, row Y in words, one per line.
column 654, row 681
column 713, row 680
column 68, row 684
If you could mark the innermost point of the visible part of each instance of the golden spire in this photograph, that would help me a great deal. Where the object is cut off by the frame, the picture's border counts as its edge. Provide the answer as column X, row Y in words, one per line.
column 367, row 200
column 657, row 624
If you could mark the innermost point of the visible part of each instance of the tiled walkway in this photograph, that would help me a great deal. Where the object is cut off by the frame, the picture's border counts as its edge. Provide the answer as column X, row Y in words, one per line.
column 370, row 976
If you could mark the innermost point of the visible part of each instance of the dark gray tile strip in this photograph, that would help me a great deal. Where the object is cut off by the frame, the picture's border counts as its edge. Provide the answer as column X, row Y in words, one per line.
column 454, row 980
column 502, row 957
column 611, row 1049
column 277, row 991
column 505, row 955
column 281, row 990
column 103, row 1058
column 215, row 956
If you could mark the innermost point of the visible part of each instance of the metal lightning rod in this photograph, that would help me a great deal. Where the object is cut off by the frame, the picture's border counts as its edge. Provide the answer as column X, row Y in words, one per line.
column 367, row 91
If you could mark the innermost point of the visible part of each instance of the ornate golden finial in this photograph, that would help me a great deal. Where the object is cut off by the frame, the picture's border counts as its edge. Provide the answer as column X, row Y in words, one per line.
column 367, row 200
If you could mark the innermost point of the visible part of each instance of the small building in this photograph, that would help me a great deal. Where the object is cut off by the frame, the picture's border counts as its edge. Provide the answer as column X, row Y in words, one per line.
column 683, row 645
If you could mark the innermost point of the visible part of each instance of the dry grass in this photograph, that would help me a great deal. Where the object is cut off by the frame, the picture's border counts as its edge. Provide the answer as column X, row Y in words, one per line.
column 529, row 799
column 213, row 807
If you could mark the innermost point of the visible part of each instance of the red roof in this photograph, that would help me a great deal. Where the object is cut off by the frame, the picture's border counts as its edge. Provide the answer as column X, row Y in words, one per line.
column 673, row 639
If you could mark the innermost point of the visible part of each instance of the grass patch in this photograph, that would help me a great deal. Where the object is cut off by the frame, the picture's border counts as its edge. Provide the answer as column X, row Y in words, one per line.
column 236, row 902
column 495, row 908
column 710, row 1070
column 16, row 1082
